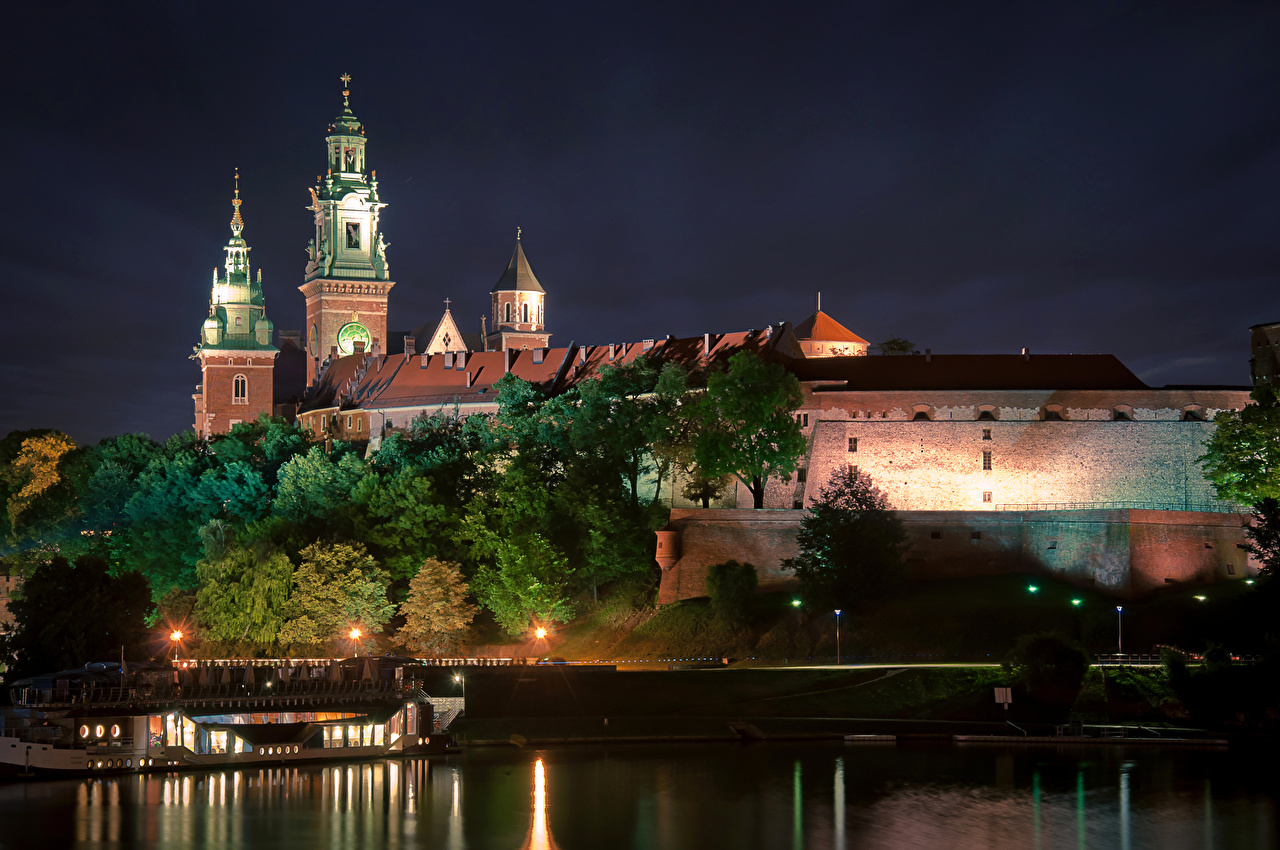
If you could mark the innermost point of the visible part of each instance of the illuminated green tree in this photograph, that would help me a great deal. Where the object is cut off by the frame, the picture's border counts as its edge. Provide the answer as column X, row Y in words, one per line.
column 1242, row 458
column 746, row 424
column 527, row 587
column 242, row 593
column 335, row 587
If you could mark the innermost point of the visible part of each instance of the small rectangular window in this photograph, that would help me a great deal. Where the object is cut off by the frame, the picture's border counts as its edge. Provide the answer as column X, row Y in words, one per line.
column 986, row 460
column 986, row 433
column 975, row 536
column 353, row 234
column 359, row 424
column 986, row 496
column 1053, row 544
column 802, row 419
column 797, row 505
column 348, row 422
column 853, row 444
column 853, row 470
column 801, row 475
column 1231, row 569
column 1208, row 544
column 935, row 535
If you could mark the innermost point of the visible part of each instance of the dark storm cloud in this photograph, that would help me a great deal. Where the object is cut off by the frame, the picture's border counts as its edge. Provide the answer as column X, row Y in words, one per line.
column 1087, row 177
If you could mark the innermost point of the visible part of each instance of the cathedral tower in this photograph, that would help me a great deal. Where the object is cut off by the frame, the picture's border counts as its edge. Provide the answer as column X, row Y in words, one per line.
column 346, row 280
column 518, row 300
column 235, row 351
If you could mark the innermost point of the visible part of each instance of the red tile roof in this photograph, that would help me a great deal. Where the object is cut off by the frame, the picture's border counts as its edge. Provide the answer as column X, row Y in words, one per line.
column 822, row 327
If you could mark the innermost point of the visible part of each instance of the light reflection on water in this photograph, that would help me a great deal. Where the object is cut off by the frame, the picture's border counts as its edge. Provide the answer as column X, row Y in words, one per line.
column 762, row 795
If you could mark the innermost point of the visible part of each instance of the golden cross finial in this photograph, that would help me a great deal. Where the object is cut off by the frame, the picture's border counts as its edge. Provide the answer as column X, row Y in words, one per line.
column 346, row 88
column 237, row 200
column 346, row 80
column 517, row 233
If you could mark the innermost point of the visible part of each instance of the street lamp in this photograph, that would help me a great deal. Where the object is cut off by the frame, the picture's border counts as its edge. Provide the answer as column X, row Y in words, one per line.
column 175, row 636
column 461, row 680
column 837, row 637
column 540, row 633
column 1120, row 630
column 355, row 640
column 795, row 603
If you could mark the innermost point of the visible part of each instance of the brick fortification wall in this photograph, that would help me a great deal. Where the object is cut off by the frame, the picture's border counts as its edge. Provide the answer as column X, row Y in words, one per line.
column 1124, row 552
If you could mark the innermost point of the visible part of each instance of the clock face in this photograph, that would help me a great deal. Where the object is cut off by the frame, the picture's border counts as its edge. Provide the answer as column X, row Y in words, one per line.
column 315, row 340
column 349, row 333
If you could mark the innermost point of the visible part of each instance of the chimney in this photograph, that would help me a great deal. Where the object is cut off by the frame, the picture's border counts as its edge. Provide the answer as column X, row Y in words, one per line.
column 928, row 355
column 537, row 355
column 706, row 345
column 1026, row 354
column 461, row 362
column 612, row 351
column 582, row 356
column 768, row 332
column 448, row 360
column 468, row 380
column 333, row 351
column 357, row 346
column 484, row 332
column 410, row 346
column 508, row 359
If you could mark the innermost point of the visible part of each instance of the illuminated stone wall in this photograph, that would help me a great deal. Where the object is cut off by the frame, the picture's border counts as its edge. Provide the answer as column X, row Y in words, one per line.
column 1125, row 552
column 1087, row 458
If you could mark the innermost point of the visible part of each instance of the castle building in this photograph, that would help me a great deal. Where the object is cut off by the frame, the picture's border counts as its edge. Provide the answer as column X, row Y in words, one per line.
column 236, row 354
column 1062, row 464
column 517, row 300
column 346, row 281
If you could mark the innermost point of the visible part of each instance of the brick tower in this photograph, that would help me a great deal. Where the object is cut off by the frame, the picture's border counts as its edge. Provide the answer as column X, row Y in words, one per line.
column 235, row 351
column 517, row 299
column 346, row 279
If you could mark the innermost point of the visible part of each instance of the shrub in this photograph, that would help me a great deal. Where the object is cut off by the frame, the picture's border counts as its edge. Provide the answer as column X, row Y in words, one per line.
column 732, row 586
column 1051, row 666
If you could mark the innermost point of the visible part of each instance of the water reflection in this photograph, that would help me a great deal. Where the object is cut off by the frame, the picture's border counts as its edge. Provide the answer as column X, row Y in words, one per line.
column 762, row 795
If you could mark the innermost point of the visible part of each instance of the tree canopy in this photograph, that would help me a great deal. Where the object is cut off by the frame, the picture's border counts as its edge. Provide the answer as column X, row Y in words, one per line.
column 746, row 424
column 850, row 543
column 1242, row 458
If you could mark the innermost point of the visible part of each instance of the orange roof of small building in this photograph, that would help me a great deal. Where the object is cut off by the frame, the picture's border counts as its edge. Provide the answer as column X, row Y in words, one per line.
column 823, row 327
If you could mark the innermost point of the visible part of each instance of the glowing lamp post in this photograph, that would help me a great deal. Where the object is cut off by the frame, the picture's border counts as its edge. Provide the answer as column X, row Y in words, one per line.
column 837, row 637
column 1119, row 629
column 540, row 633
column 355, row 640
column 175, row 636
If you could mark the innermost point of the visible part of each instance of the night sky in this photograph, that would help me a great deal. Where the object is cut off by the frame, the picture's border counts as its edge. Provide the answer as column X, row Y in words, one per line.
column 1073, row 177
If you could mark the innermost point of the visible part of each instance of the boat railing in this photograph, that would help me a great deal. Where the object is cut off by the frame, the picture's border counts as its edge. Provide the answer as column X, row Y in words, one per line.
column 188, row 692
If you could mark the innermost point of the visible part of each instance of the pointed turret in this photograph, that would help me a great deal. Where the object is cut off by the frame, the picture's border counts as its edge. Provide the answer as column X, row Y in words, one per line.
column 822, row 336
column 518, row 301
column 235, row 352
column 347, row 278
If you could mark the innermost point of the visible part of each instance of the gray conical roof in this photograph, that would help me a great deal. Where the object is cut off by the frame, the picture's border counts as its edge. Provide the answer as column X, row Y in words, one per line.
column 518, row 277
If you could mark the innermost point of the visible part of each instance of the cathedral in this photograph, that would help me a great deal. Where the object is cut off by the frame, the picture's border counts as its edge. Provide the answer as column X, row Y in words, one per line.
column 995, row 462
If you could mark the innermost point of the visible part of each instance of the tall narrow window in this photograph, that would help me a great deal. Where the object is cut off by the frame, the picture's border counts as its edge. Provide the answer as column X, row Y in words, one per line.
column 524, row 310
column 539, row 314
column 986, row 460
column 240, row 390
column 508, row 311
column 353, row 234
column 986, row 496
column 853, row 444
column 986, row 433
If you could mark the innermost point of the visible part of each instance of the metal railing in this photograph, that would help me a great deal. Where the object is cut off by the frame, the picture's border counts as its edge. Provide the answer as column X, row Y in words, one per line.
column 187, row 693
column 1128, row 505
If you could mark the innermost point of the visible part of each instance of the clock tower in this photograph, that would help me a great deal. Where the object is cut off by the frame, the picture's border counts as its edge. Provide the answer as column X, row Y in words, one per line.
column 346, row 281
column 237, row 359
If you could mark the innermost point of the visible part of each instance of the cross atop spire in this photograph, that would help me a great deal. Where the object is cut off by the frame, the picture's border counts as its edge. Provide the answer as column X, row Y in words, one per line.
column 346, row 88
column 447, row 302
column 237, row 223
column 517, row 233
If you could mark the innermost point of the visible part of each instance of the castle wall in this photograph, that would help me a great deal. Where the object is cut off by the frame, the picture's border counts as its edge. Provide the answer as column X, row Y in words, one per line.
column 1086, row 459
column 1125, row 552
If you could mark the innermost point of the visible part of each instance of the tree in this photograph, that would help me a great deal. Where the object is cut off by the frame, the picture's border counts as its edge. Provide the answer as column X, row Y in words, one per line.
column 527, row 586
column 314, row 486
column 436, row 611
column 699, row 489
column 68, row 615
column 732, row 587
column 1051, row 666
column 1264, row 536
column 850, row 544
column 746, row 424
column 895, row 345
column 242, row 593
column 35, row 475
column 335, row 587
column 1242, row 458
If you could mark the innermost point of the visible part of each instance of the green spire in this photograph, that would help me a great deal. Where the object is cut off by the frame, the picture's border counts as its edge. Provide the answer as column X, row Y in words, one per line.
column 237, row 223
column 237, row 310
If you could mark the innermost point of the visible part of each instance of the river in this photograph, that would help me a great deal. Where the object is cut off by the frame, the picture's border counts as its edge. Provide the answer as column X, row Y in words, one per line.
column 766, row 795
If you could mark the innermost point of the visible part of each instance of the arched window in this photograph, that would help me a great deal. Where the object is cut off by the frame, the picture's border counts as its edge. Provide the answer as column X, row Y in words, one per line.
column 240, row 390
column 508, row 311
column 525, row 312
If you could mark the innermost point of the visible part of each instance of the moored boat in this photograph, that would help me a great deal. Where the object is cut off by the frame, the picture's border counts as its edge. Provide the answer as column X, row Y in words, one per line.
column 114, row 718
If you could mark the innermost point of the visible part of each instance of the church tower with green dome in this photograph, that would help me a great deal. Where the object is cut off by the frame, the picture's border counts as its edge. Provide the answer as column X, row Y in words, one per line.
column 236, row 354
column 346, row 281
